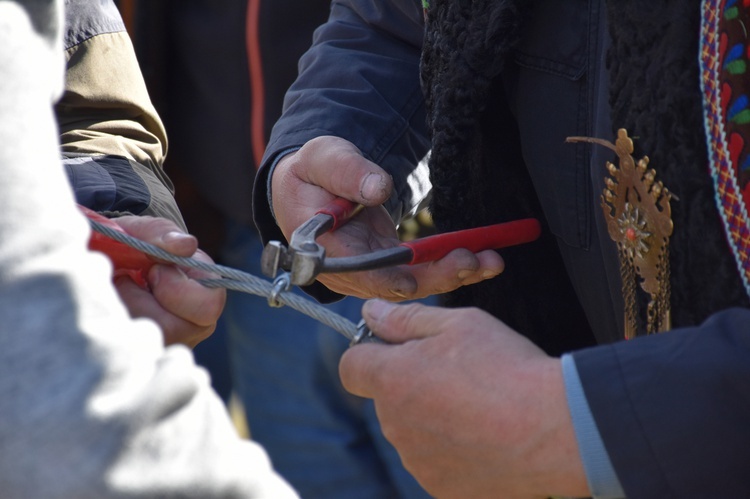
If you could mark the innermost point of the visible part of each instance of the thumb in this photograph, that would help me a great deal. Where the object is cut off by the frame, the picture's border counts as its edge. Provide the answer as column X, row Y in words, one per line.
column 367, row 369
column 400, row 323
column 364, row 368
column 339, row 167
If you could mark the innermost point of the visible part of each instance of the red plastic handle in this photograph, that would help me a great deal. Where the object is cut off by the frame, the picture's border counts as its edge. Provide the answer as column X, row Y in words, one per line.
column 341, row 210
column 125, row 259
column 496, row 236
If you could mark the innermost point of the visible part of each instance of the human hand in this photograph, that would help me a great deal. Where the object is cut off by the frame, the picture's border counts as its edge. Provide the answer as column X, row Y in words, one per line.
column 186, row 310
column 473, row 408
column 329, row 167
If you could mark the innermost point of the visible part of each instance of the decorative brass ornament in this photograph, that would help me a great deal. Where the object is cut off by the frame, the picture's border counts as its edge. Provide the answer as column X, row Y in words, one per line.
column 639, row 221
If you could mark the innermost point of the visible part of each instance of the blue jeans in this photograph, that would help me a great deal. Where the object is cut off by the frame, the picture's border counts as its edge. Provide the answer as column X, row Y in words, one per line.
column 326, row 442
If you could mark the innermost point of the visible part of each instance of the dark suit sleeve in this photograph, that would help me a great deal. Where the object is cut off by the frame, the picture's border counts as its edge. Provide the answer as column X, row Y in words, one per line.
column 358, row 81
column 674, row 409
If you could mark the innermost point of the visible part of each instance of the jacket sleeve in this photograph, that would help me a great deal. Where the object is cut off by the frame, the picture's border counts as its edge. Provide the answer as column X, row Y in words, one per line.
column 93, row 405
column 359, row 81
column 673, row 408
column 113, row 141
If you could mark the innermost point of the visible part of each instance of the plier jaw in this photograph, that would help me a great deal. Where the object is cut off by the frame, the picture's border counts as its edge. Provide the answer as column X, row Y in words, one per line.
column 305, row 259
column 302, row 265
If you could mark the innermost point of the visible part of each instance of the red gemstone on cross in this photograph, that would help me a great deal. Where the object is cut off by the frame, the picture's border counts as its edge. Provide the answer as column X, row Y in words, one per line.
column 630, row 234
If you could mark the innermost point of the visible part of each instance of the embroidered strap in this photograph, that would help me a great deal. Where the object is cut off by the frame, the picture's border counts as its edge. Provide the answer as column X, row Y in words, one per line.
column 724, row 68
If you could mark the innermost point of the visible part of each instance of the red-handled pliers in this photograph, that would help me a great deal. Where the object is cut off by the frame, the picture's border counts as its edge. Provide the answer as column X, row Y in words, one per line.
column 304, row 259
column 125, row 259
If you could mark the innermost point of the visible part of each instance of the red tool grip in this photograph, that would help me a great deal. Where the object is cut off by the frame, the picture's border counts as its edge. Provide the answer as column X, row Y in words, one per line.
column 125, row 259
column 341, row 210
column 496, row 236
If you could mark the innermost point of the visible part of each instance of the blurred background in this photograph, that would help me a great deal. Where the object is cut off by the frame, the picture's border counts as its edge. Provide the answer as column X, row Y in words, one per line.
column 217, row 71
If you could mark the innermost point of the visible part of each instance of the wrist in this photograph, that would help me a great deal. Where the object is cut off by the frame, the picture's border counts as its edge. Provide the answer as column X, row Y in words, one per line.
column 555, row 454
column 272, row 169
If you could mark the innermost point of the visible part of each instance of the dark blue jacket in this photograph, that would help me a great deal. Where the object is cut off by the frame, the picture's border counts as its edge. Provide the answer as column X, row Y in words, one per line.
column 672, row 408
column 344, row 90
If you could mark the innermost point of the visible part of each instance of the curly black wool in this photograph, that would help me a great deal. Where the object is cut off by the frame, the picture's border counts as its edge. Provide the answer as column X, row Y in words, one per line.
column 466, row 45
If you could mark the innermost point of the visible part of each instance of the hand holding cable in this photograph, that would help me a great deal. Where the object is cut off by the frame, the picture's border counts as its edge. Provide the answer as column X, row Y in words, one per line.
column 185, row 310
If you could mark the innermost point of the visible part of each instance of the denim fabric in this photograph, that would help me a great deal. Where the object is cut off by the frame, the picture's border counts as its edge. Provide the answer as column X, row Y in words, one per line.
column 324, row 441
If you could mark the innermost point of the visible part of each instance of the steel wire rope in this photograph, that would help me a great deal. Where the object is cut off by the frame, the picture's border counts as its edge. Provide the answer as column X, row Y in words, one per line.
column 236, row 280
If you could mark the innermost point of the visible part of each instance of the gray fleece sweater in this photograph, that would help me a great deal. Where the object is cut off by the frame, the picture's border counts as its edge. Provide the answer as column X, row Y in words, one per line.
column 91, row 403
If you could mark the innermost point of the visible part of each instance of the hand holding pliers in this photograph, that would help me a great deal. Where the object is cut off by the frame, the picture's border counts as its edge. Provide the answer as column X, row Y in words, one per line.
column 304, row 259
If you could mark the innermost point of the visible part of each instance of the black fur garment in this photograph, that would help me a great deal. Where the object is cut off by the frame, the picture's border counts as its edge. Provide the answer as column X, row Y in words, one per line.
column 466, row 45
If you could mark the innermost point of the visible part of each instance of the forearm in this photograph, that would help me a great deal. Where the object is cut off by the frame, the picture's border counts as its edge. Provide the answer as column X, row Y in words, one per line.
column 106, row 115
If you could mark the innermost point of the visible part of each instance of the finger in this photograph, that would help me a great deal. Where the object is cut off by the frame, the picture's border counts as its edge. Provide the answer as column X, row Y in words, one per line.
column 160, row 232
column 141, row 303
column 338, row 167
column 360, row 368
column 401, row 323
column 393, row 284
column 376, row 370
column 184, row 297
column 458, row 268
column 194, row 273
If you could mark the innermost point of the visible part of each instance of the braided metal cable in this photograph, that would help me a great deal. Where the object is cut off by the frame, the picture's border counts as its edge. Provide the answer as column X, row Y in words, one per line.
column 238, row 281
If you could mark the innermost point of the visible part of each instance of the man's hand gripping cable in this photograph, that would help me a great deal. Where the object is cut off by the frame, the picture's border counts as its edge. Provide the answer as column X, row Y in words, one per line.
column 131, row 255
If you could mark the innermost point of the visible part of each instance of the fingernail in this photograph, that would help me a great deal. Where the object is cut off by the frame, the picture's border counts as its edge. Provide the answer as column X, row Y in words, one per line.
column 377, row 309
column 175, row 236
column 372, row 186
column 463, row 274
column 488, row 274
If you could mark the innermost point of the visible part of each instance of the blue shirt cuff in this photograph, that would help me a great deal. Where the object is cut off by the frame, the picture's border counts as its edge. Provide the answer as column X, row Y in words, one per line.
column 600, row 475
